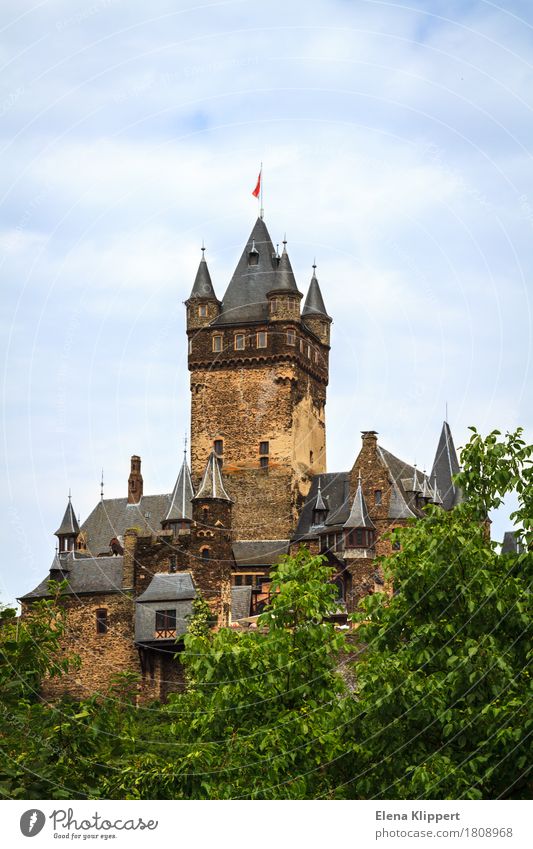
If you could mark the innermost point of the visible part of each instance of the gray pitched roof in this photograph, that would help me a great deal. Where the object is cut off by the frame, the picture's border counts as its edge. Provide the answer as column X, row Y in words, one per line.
column 398, row 508
column 285, row 280
column 259, row 552
column 403, row 475
column 245, row 298
column 511, row 544
column 84, row 574
column 359, row 517
column 169, row 587
column 180, row 501
column 203, row 287
column 113, row 516
column 314, row 302
column 335, row 489
column 445, row 466
column 241, row 602
column 69, row 523
column 211, row 485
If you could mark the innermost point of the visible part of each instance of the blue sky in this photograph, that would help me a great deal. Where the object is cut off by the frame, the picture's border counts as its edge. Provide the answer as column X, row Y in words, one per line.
column 396, row 146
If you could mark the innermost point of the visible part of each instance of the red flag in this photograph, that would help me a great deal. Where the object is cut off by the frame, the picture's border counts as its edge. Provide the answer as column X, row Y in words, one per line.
column 258, row 187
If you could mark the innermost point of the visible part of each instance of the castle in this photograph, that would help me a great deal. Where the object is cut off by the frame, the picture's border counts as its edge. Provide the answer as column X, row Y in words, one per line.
column 257, row 488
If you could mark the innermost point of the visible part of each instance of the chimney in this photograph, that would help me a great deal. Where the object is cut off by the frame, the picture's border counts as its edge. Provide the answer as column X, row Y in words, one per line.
column 135, row 481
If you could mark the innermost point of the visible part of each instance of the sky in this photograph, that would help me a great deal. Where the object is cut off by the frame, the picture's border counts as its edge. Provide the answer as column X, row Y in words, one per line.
column 395, row 140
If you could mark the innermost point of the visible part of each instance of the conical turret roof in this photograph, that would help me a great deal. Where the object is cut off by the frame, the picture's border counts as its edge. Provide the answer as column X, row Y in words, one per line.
column 245, row 298
column 69, row 524
column 182, row 494
column 203, row 287
column 314, row 302
column 359, row 517
column 319, row 504
column 211, row 485
column 285, row 279
column 445, row 466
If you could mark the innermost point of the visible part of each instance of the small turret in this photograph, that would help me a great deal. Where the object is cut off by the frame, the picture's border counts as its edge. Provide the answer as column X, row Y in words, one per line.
column 68, row 530
column 202, row 304
column 359, row 529
column 314, row 313
column 320, row 510
column 284, row 297
column 179, row 514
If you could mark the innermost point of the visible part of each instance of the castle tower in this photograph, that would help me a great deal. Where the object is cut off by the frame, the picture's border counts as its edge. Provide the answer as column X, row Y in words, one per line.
column 258, row 384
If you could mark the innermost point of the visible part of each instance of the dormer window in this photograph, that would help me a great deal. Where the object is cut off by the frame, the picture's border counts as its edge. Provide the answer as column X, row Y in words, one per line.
column 253, row 255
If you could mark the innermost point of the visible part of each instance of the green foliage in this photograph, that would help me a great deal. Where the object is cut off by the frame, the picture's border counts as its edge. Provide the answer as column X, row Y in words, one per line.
column 438, row 705
column 444, row 683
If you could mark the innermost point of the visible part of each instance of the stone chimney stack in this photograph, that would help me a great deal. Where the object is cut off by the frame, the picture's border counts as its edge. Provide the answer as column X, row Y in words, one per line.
column 135, row 481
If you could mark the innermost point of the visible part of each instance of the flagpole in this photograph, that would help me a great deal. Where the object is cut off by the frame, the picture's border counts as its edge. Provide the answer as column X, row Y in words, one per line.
column 261, row 210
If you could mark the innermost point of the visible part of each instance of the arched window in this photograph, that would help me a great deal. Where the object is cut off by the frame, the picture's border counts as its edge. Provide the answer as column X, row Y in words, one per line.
column 205, row 553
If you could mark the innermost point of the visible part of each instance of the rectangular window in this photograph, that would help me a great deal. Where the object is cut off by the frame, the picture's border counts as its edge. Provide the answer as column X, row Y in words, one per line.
column 202, row 310
column 261, row 339
column 217, row 344
column 263, row 447
column 377, row 497
column 239, row 341
column 309, row 352
column 218, row 445
column 102, row 623
column 301, row 346
column 263, row 462
column 190, row 346
column 273, row 305
column 291, row 337
column 165, row 620
column 237, row 580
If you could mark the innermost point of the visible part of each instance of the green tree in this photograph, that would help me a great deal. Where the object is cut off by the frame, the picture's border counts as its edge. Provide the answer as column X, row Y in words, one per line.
column 444, row 684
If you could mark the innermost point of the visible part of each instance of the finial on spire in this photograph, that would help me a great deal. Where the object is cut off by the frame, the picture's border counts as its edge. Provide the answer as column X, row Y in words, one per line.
column 314, row 264
column 102, row 486
column 359, row 478
column 284, row 240
column 203, row 249
column 446, row 411
column 185, row 446
column 69, row 494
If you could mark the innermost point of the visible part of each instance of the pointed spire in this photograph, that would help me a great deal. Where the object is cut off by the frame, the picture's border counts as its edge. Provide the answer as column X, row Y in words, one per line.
column 285, row 281
column 69, row 524
column 445, row 466
column 211, row 485
column 398, row 508
column 426, row 491
column 359, row 517
column 203, row 287
column 319, row 504
column 314, row 302
column 245, row 298
column 180, row 501
column 435, row 495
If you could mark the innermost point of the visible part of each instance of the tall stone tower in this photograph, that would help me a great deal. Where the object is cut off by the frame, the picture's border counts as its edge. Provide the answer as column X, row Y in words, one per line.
column 259, row 372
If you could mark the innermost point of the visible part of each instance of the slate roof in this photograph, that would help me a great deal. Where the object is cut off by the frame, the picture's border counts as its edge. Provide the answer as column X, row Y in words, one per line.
column 203, row 287
column 180, row 501
column 259, row 552
column 359, row 517
column 510, row 544
column 69, row 523
column 211, row 485
column 335, row 489
column 241, row 602
column 113, row 516
column 84, row 574
column 398, row 507
column 285, row 280
column 403, row 475
column 245, row 298
column 176, row 586
column 445, row 466
column 314, row 302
